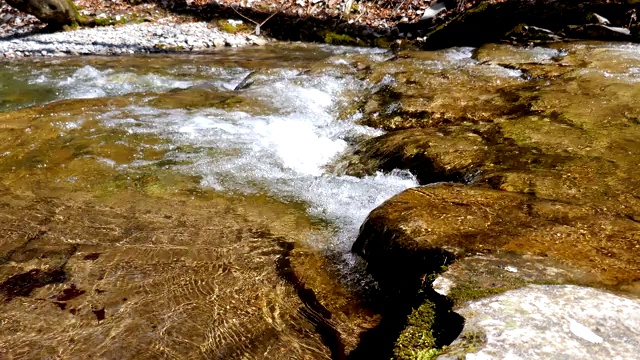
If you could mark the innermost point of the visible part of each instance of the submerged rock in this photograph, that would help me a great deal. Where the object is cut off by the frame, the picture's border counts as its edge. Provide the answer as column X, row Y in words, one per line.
column 545, row 322
column 546, row 141
column 444, row 88
column 421, row 229
column 430, row 155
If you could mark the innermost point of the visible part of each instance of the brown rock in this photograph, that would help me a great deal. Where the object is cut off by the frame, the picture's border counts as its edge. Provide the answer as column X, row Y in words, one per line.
column 421, row 229
column 431, row 155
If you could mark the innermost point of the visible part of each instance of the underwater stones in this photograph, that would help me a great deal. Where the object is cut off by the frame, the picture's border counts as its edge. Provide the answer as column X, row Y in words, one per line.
column 410, row 92
column 430, row 155
column 549, row 321
column 419, row 230
column 509, row 54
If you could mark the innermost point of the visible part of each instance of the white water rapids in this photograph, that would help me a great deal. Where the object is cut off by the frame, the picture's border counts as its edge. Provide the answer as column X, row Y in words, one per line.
column 282, row 153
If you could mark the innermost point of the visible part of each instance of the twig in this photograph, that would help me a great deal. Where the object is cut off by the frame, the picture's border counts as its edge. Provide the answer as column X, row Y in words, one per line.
column 258, row 25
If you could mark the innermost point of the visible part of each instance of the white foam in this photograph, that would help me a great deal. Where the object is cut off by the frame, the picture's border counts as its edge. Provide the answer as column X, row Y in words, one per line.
column 285, row 153
column 282, row 153
column 89, row 82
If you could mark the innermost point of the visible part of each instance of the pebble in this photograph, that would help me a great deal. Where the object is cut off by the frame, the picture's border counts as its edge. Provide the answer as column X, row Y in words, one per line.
column 124, row 39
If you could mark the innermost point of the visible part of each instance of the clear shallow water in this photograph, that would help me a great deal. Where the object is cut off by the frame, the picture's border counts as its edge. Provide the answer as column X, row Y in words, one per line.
column 195, row 189
column 257, row 127
column 280, row 150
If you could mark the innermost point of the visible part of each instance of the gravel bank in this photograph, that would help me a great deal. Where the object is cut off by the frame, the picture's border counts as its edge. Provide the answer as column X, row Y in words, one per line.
column 125, row 39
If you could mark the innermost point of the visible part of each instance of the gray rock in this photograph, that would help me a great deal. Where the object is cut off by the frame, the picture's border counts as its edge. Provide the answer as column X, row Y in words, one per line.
column 621, row 30
column 601, row 19
column 598, row 31
column 433, row 11
column 127, row 39
column 549, row 322
column 257, row 40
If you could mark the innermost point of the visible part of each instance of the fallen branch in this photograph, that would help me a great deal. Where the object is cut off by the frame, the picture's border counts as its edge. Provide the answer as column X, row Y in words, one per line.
column 258, row 25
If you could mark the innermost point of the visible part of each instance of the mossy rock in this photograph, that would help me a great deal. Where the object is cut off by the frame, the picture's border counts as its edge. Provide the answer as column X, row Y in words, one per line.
column 334, row 38
column 231, row 28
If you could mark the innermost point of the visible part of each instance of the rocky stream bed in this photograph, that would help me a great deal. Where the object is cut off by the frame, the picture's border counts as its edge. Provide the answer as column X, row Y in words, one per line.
column 312, row 201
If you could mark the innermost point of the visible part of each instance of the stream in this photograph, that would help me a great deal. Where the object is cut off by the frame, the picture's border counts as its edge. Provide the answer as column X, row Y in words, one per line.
column 193, row 206
column 250, row 131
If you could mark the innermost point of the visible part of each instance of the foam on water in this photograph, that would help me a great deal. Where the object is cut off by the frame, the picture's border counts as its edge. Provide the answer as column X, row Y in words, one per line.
column 284, row 153
column 89, row 82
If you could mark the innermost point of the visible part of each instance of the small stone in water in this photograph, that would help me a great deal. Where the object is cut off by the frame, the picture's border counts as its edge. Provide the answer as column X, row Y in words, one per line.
column 218, row 42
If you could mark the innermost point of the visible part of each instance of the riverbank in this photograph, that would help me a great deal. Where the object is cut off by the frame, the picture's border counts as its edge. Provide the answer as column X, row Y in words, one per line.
column 126, row 39
column 124, row 27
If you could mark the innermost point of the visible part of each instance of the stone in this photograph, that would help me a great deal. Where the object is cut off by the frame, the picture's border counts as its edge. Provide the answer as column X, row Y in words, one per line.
column 138, row 38
column 430, row 155
column 433, row 10
column 601, row 19
column 474, row 95
column 218, row 42
column 549, row 321
column 598, row 31
column 257, row 40
column 417, row 231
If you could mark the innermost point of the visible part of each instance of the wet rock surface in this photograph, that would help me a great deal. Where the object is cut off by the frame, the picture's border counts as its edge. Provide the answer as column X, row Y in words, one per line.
column 108, row 248
column 122, row 264
column 543, row 142
column 432, row 156
column 452, row 221
column 544, row 172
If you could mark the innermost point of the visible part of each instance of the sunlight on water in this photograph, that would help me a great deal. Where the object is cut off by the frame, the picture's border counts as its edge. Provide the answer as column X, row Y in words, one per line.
column 89, row 82
column 283, row 153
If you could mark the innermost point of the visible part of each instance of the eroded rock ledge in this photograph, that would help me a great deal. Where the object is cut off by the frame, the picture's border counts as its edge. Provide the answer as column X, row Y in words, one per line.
column 529, row 161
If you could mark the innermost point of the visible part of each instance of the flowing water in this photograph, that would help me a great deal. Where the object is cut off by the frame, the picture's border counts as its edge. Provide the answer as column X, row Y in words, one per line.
column 188, row 206
column 139, row 181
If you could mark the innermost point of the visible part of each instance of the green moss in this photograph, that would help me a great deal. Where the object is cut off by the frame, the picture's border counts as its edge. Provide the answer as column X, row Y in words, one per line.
column 416, row 340
column 333, row 38
column 383, row 43
column 473, row 341
column 73, row 26
column 467, row 343
column 230, row 28
column 101, row 22
column 109, row 21
column 464, row 292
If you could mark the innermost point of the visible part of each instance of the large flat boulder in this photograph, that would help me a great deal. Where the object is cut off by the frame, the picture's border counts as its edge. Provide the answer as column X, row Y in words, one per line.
column 419, row 230
column 549, row 322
